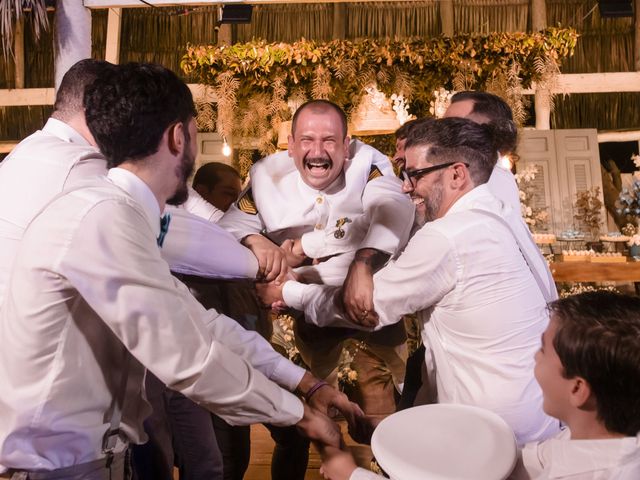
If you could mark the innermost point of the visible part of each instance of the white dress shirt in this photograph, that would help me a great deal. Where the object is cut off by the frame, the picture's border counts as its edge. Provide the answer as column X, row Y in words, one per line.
column 88, row 286
column 195, row 245
column 502, row 184
column 199, row 206
column 482, row 311
column 43, row 165
column 46, row 163
column 363, row 208
column 563, row 458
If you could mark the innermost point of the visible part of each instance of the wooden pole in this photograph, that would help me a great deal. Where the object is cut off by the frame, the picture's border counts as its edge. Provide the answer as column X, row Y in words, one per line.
column 18, row 49
column 542, row 102
column 637, row 36
column 446, row 17
column 538, row 15
column 339, row 23
column 114, row 23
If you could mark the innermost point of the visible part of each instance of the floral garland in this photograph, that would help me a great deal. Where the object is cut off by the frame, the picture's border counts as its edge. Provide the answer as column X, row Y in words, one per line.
column 252, row 81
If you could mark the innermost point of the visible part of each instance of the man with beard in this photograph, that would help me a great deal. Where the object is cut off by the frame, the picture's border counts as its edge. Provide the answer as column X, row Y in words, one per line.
column 479, row 298
column 90, row 303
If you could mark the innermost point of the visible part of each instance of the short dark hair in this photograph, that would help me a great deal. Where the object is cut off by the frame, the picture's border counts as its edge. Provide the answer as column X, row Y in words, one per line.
column 457, row 140
column 209, row 174
column 497, row 112
column 129, row 108
column 70, row 94
column 405, row 128
column 598, row 339
column 320, row 106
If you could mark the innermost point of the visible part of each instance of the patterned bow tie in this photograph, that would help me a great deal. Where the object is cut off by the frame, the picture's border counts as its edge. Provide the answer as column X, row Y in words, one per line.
column 164, row 228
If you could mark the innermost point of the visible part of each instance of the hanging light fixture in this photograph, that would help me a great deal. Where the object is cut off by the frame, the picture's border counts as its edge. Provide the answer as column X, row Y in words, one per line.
column 226, row 149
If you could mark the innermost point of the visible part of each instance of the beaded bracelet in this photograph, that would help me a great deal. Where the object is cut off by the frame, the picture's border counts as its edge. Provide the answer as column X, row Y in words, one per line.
column 314, row 389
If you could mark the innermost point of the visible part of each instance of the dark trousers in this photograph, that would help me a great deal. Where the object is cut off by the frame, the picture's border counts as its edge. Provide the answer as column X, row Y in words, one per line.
column 181, row 434
column 290, row 454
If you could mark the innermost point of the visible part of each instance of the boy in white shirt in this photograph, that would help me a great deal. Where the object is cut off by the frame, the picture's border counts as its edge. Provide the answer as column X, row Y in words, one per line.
column 589, row 370
column 588, row 367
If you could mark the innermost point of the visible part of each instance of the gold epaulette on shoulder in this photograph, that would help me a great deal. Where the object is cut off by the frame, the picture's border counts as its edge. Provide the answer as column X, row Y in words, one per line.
column 246, row 203
column 374, row 173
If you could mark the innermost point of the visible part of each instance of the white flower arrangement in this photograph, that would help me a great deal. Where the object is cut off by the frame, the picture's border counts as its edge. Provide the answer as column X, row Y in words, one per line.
column 535, row 217
column 634, row 240
column 401, row 108
column 440, row 103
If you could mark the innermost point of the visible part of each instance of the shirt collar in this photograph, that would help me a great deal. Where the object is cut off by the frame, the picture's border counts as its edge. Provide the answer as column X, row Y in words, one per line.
column 478, row 196
column 140, row 192
column 572, row 457
column 64, row 131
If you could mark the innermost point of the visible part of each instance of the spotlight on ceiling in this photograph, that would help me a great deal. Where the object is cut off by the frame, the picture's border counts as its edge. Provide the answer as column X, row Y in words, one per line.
column 235, row 14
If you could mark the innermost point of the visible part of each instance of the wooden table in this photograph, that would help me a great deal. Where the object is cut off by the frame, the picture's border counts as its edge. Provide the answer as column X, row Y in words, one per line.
column 596, row 272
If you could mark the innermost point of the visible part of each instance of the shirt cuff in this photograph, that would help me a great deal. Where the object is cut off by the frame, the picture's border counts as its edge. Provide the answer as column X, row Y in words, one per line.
column 293, row 294
column 313, row 243
column 287, row 374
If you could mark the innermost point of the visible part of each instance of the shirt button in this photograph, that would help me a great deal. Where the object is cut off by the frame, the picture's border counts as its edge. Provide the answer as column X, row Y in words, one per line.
column 319, row 200
column 319, row 226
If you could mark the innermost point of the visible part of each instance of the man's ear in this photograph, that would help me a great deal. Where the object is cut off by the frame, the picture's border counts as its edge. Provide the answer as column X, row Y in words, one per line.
column 580, row 393
column 290, row 145
column 176, row 138
column 459, row 176
column 201, row 189
column 346, row 144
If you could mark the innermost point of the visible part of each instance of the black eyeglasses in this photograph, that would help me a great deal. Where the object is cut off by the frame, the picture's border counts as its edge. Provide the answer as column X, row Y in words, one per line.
column 407, row 176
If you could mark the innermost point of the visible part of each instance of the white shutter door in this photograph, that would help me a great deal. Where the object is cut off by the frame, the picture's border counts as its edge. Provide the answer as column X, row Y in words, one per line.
column 579, row 167
column 537, row 147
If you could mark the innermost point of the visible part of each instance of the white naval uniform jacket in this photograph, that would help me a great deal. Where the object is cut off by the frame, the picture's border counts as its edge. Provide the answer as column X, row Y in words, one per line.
column 363, row 208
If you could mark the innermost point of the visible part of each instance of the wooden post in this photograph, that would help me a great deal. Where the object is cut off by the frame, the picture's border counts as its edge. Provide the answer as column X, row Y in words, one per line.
column 538, row 15
column 542, row 104
column 72, row 39
column 446, row 17
column 224, row 34
column 18, row 49
column 339, row 21
column 637, row 36
column 112, row 49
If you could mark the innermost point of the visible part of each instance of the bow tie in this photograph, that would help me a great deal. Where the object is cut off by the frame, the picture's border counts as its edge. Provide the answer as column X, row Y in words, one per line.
column 164, row 228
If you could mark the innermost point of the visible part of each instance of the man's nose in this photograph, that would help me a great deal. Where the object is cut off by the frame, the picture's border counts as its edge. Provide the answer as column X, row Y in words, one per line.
column 316, row 149
column 407, row 186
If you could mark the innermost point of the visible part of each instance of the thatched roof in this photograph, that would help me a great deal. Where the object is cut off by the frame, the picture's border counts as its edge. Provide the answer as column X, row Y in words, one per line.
column 160, row 35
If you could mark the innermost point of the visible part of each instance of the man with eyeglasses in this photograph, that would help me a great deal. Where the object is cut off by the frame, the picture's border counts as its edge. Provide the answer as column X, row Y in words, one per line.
column 467, row 275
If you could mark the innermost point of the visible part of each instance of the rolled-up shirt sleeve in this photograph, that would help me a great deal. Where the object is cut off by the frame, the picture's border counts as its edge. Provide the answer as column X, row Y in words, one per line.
column 197, row 352
column 413, row 282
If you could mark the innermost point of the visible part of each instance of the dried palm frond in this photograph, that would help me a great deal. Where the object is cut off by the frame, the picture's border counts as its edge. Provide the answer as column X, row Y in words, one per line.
column 12, row 11
column 321, row 87
column 346, row 69
column 225, row 92
column 383, row 77
column 402, row 83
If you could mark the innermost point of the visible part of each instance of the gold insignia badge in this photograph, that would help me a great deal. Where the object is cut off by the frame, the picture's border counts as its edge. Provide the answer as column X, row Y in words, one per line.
column 374, row 173
column 339, row 233
column 246, row 203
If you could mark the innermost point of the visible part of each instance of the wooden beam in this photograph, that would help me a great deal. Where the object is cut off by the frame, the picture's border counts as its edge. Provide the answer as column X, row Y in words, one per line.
column 610, row 82
column 24, row 97
column 538, row 15
column 195, row 3
column 27, row 96
column 112, row 51
column 623, row 136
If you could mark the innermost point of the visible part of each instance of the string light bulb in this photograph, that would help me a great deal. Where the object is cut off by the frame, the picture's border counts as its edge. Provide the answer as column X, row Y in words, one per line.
column 226, row 149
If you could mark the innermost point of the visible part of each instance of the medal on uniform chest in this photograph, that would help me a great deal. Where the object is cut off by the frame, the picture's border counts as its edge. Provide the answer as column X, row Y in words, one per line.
column 339, row 233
